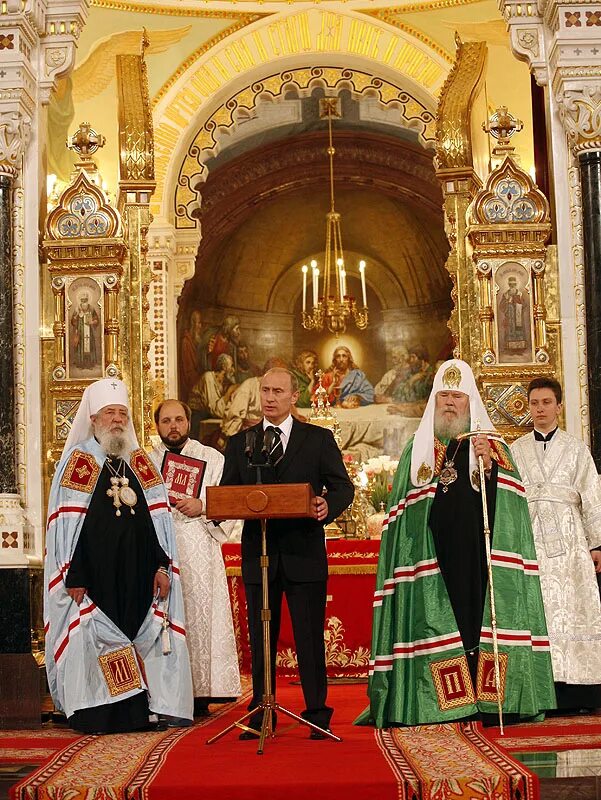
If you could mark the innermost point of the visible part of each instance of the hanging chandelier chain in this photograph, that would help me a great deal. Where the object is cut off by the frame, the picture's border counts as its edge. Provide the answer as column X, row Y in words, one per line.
column 335, row 306
column 331, row 152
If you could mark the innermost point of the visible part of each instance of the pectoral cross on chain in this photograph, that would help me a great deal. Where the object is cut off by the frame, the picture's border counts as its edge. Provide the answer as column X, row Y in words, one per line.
column 114, row 493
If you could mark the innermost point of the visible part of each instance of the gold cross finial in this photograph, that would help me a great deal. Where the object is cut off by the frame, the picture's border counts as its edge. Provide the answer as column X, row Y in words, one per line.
column 502, row 126
column 85, row 141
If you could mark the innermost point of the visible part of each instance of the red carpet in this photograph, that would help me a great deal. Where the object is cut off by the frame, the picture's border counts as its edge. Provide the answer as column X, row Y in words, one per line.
column 554, row 733
column 426, row 763
column 33, row 747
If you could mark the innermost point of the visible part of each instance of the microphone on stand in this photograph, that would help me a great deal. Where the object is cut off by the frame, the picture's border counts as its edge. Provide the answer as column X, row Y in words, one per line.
column 268, row 439
column 249, row 446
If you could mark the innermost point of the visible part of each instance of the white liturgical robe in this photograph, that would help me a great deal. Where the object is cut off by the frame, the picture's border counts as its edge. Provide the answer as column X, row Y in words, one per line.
column 210, row 631
column 564, row 499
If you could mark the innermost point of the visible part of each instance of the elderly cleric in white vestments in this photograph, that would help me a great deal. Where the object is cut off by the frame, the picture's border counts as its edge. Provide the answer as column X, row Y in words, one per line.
column 115, row 632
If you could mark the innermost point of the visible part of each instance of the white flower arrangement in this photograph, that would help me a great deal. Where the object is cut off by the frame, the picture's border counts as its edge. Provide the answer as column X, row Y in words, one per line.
column 377, row 474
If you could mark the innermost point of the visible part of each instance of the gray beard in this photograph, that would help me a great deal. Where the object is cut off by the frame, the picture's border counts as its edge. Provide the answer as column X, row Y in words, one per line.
column 115, row 444
column 450, row 429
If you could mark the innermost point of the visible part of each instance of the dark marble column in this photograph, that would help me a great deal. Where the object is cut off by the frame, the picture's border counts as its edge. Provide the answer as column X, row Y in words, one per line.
column 8, row 461
column 19, row 672
column 590, row 178
column 20, row 676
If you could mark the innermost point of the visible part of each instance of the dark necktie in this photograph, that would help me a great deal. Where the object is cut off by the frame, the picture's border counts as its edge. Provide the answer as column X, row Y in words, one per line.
column 276, row 454
column 542, row 437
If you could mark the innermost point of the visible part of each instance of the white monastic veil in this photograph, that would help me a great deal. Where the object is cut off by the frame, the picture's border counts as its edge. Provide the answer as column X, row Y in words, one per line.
column 454, row 375
column 105, row 392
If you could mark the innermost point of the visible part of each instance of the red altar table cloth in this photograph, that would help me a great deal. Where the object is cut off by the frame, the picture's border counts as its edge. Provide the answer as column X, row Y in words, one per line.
column 352, row 578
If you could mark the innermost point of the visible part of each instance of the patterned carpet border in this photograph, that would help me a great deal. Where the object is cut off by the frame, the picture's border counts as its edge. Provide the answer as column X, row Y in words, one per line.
column 524, row 744
column 554, row 733
column 124, row 765
column 454, row 760
column 33, row 747
column 432, row 762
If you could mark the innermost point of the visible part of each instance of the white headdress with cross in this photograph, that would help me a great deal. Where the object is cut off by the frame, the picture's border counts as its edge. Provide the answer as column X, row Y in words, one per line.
column 457, row 376
column 98, row 395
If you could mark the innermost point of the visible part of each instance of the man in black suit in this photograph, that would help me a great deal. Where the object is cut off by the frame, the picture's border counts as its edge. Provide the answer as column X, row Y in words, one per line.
column 298, row 566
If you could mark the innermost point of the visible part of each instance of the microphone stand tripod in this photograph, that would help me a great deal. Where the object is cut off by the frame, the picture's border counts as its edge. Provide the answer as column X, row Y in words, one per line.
column 268, row 703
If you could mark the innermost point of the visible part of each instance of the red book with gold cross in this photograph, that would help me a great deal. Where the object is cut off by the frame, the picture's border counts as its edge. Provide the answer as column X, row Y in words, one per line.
column 182, row 475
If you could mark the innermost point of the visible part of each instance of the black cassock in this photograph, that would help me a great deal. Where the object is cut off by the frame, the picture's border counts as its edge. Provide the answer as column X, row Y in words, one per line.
column 115, row 560
column 457, row 525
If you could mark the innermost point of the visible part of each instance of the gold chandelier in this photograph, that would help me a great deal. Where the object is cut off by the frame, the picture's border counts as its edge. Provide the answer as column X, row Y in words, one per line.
column 333, row 307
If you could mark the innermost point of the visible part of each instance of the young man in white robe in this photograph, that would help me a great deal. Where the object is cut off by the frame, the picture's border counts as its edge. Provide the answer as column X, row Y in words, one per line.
column 564, row 499
column 211, row 641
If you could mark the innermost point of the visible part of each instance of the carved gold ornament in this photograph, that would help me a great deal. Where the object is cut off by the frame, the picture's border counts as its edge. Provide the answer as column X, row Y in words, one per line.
column 424, row 473
column 414, row 115
column 453, row 131
column 451, row 378
column 508, row 229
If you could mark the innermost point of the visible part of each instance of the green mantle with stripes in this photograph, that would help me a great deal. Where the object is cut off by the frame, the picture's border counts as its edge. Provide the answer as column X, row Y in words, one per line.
column 416, row 673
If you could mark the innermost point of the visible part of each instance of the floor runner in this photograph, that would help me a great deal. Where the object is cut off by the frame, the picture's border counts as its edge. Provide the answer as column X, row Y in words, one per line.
column 426, row 763
column 554, row 733
column 33, row 747
column 456, row 761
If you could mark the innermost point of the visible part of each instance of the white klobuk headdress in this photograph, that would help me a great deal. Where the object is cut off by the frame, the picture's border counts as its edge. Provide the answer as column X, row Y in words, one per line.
column 456, row 376
column 105, row 392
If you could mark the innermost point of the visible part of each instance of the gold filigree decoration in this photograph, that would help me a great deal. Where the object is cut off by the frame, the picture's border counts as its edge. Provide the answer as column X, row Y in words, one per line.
column 168, row 9
column 415, row 113
column 235, row 605
column 510, row 196
column 242, row 21
column 83, row 212
column 486, row 686
column 440, row 451
column 120, row 670
column 508, row 227
column 136, row 142
column 424, row 473
column 350, row 554
column 453, row 129
column 453, row 683
column 388, row 15
column 451, row 378
column 337, row 653
column 414, row 8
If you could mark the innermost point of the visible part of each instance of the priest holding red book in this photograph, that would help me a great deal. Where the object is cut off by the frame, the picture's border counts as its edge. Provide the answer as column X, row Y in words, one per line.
column 188, row 467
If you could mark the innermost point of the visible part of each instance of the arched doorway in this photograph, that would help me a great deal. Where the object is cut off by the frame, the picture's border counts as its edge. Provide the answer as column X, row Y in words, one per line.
column 262, row 215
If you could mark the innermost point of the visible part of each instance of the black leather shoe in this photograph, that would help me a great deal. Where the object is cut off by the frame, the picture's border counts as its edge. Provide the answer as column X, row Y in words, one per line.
column 319, row 734
column 165, row 721
column 246, row 736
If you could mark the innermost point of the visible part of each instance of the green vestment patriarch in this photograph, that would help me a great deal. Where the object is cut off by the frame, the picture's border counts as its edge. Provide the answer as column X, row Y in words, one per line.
column 419, row 671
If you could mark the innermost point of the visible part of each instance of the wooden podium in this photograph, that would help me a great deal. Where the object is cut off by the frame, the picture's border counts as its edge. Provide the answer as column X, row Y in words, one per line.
column 263, row 501
column 260, row 501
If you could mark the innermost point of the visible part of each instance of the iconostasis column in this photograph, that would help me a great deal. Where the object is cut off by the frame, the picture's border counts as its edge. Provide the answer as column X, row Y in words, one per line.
column 136, row 186
column 508, row 232
column 460, row 182
column 85, row 255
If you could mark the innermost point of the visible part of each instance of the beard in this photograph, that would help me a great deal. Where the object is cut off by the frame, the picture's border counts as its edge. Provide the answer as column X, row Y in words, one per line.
column 114, row 443
column 170, row 442
column 446, row 427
